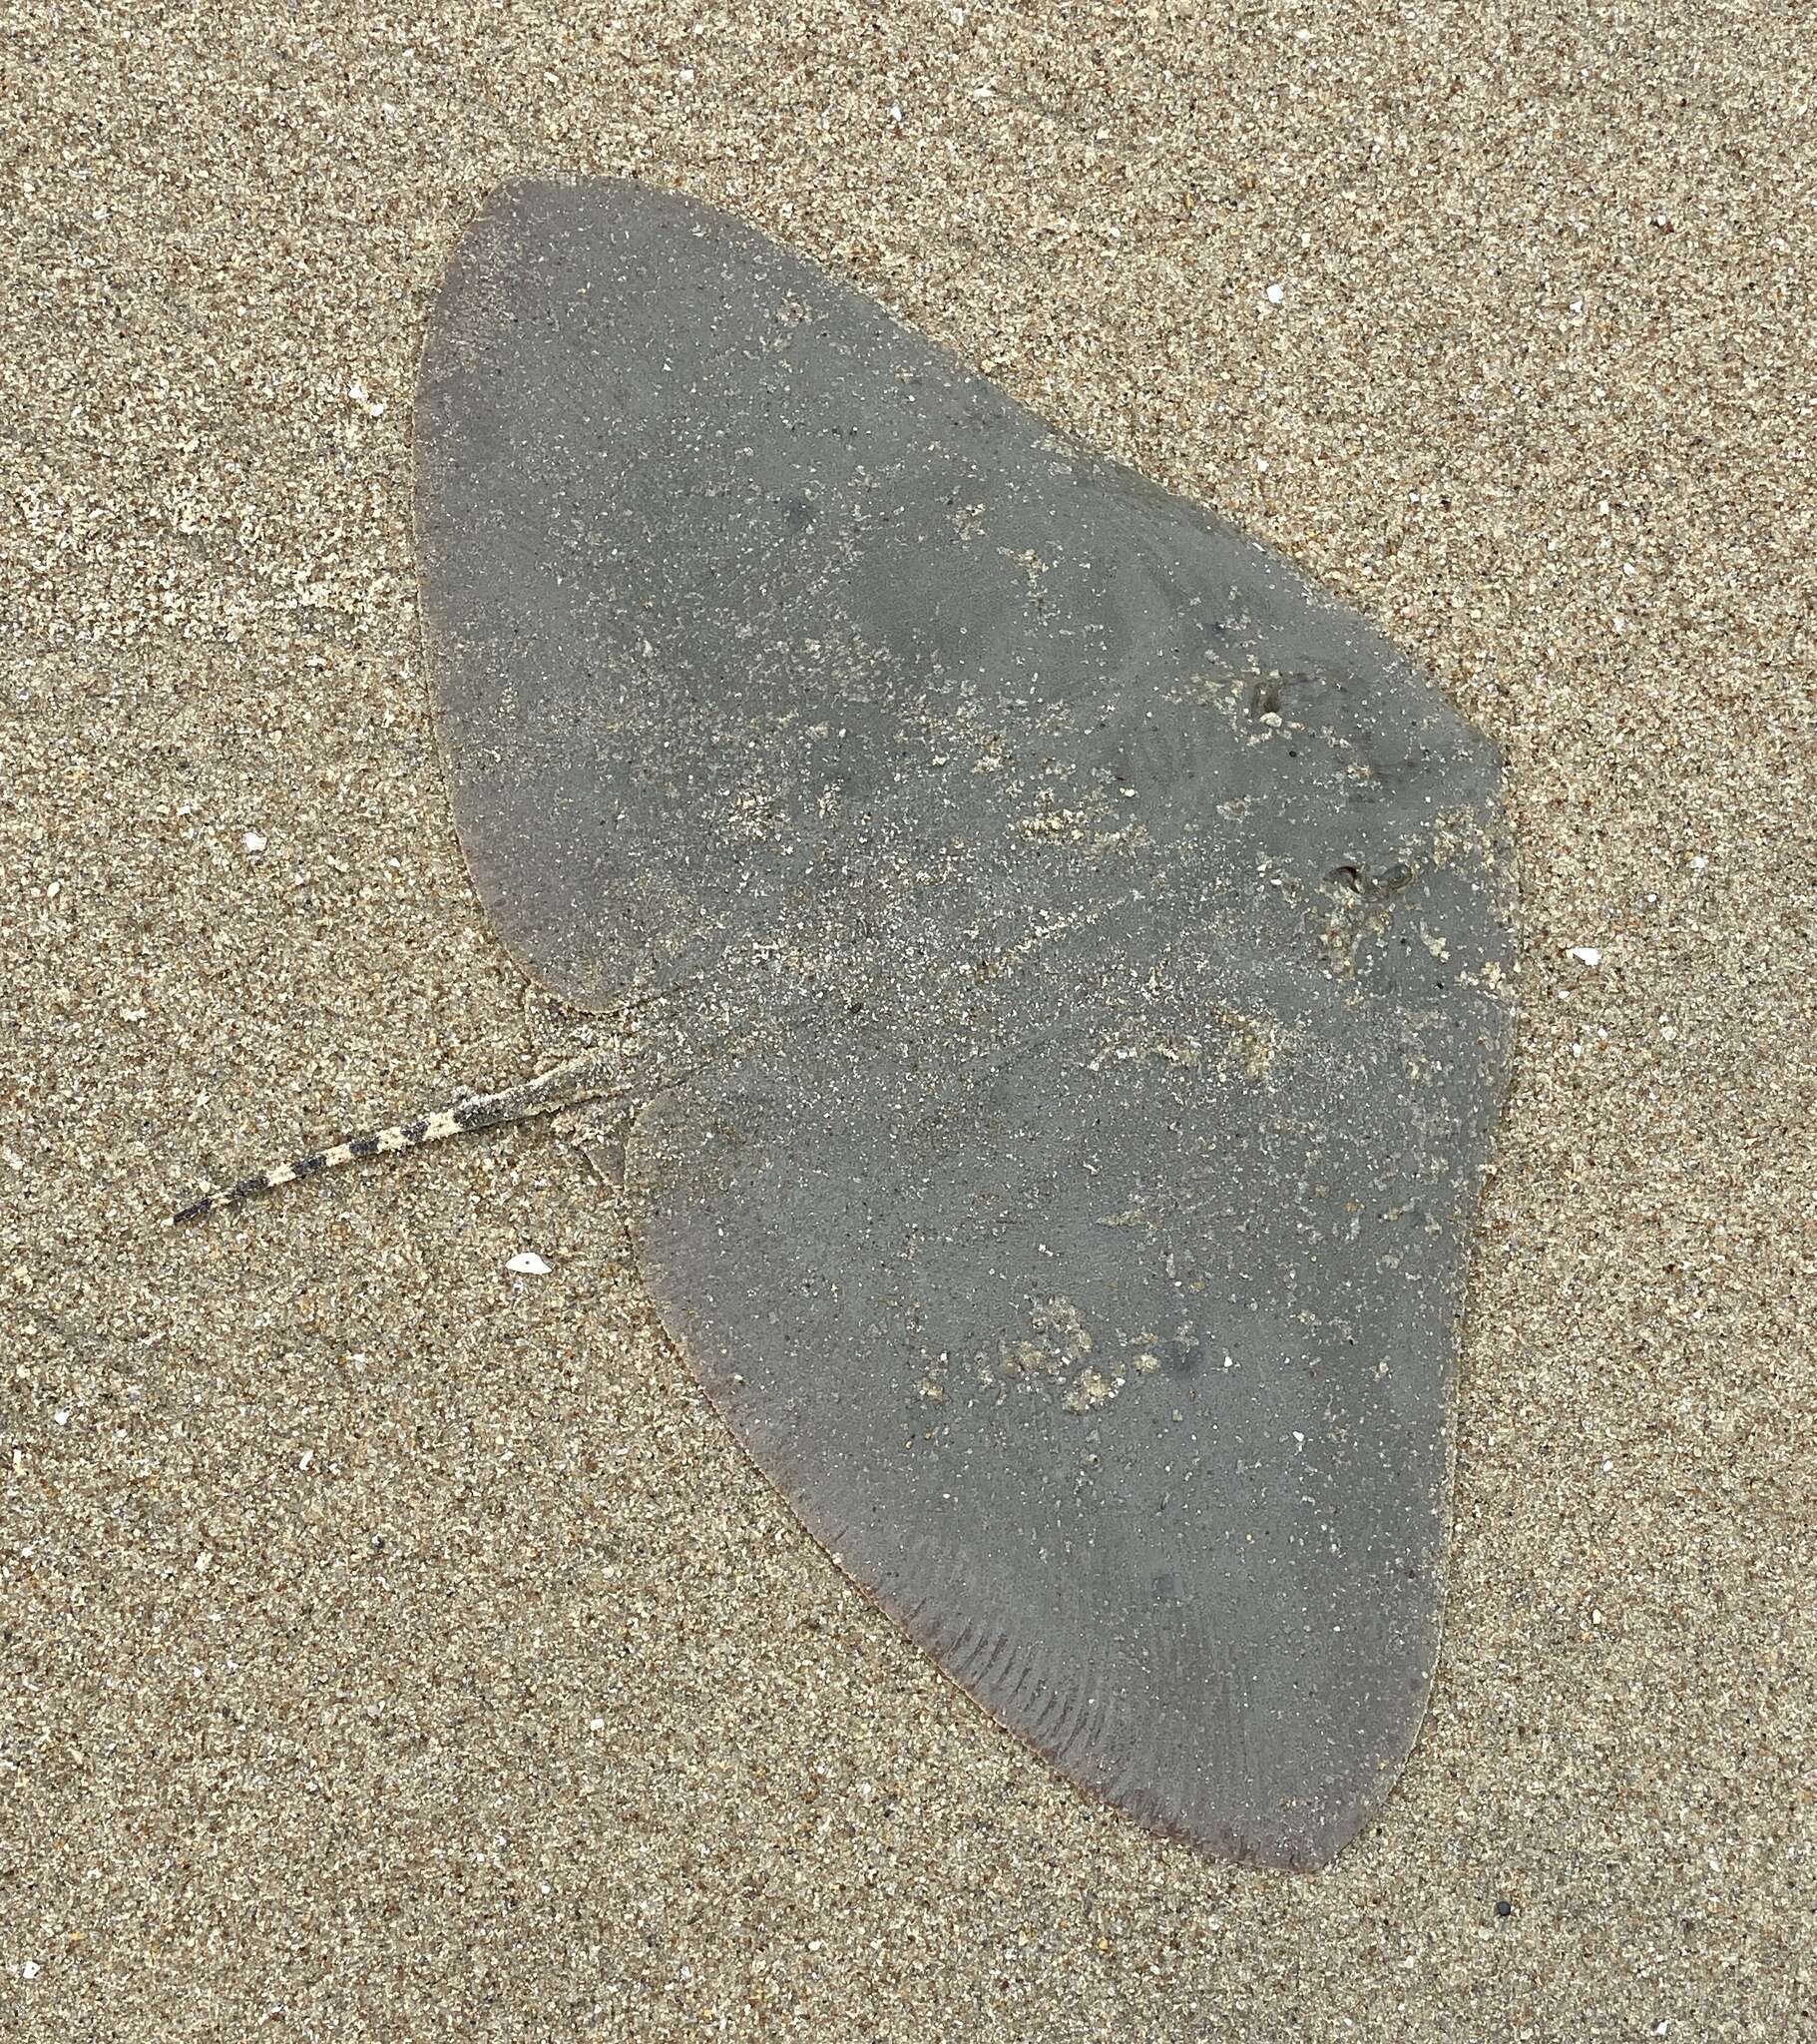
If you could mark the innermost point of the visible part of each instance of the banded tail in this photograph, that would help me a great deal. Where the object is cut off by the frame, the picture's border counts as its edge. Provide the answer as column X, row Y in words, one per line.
column 593, row 1075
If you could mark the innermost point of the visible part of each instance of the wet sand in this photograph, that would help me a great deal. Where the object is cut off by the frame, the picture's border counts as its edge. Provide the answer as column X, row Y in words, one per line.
column 394, row 1645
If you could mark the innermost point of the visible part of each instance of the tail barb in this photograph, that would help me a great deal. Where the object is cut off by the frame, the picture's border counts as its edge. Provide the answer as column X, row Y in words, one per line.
column 591, row 1076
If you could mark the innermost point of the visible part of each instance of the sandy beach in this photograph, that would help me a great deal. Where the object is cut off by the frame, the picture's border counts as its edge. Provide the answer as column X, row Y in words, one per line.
column 394, row 1645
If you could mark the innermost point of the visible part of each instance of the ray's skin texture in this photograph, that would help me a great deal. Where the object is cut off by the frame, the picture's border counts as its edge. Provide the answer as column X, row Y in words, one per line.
column 1101, row 944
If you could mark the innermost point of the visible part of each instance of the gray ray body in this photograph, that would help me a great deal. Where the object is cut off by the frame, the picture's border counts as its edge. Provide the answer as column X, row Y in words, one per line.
column 1113, row 930
column 1101, row 948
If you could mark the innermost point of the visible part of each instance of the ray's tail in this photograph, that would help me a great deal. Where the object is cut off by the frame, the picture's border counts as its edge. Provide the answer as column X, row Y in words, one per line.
column 593, row 1074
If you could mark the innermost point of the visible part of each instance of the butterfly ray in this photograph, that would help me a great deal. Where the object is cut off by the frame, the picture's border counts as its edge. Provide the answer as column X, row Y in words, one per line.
column 1100, row 954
